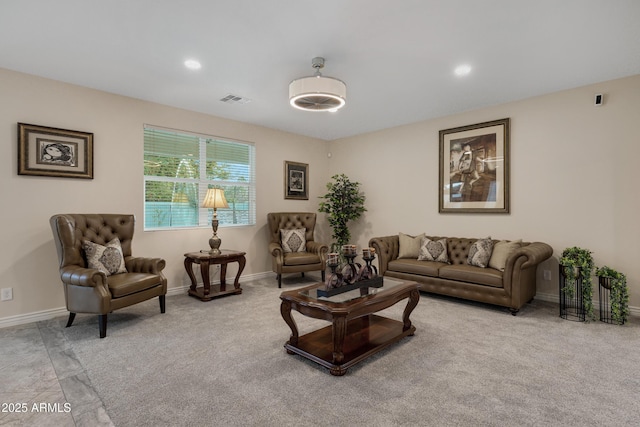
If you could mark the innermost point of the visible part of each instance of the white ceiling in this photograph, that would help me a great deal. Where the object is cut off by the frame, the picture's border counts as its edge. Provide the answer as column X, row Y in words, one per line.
column 396, row 56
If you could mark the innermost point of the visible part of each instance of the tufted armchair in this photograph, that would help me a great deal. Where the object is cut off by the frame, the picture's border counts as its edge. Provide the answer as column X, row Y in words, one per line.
column 89, row 290
column 315, row 257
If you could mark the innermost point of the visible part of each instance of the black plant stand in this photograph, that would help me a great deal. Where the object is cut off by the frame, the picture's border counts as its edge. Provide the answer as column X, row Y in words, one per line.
column 604, row 296
column 571, row 304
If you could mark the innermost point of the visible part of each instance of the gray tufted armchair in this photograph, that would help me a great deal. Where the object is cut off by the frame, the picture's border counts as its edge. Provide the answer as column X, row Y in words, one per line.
column 315, row 257
column 89, row 290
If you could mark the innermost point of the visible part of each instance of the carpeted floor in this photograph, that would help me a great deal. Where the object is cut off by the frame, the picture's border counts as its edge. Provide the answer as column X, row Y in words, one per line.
column 223, row 363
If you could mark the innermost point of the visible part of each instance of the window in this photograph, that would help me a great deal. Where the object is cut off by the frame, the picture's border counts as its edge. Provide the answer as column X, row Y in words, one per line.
column 179, row 167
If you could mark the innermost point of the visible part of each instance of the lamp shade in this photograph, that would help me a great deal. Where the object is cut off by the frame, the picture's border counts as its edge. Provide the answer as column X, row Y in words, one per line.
column 215, row 199
column 317, row 93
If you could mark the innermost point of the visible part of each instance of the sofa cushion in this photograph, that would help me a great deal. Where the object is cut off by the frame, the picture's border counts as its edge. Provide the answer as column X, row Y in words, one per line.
column 409, row 246
column 413, row 266
column 480, row 252
column 293, row 240
column 431, row 250
column 108, row 259
column 472, row 274
column 501, row 251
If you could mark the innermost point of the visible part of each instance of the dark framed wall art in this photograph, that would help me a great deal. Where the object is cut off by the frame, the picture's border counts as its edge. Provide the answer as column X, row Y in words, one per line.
column 474, row 168
column 296, row 180
column 47, row 151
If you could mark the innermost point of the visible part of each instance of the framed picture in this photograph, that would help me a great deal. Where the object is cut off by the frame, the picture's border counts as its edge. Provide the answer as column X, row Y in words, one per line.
column 54, row 152
column 474, row 168
column 296, row 180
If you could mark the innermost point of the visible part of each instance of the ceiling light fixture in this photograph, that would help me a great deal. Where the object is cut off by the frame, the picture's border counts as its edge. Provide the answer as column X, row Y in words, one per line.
column 192, row 64
column 462, row 70
column 317, row 92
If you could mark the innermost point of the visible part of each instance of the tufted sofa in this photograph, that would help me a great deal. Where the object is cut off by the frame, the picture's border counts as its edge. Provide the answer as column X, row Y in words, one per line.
column 88, row 290
column 511, row 288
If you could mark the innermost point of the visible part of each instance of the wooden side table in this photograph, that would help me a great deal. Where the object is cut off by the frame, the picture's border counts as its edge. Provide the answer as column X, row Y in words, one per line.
column 205, row 259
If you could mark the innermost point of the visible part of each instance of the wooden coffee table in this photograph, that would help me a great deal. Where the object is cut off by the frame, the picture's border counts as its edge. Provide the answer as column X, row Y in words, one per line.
column 355, row 332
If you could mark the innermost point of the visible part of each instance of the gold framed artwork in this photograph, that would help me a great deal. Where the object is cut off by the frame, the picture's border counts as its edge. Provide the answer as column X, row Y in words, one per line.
column 47, row 151
column 474, row 168
column 296, row 180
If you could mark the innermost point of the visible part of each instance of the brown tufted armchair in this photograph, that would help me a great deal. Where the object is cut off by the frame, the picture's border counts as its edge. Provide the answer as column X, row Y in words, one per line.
column 315, row 258
column 88, row 290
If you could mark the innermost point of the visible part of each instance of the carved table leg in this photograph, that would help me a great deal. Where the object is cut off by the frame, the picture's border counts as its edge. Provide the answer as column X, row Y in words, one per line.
column 285, row 311
column 188, row 265
column 204, row 270
column 414, row 297
column 241, row 263
column 223, row 276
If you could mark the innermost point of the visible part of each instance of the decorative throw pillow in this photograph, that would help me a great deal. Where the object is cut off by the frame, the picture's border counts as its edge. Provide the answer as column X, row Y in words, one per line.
column 108, row 259
column 433, row 250
column 409, row 247
column 501, row 252
column 480, row 252
column 293, row 240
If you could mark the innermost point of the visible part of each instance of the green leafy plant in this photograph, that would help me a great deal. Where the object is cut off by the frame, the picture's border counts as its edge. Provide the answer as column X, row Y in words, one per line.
column 343, row 202
column 577, row 263
column 619, row 295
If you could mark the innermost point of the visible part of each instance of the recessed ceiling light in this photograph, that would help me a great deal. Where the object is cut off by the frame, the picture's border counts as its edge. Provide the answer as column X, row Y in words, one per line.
column 192, row 64
column 462, row 70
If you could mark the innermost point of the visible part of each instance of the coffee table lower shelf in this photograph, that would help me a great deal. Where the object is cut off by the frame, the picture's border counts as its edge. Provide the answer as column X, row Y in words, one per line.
column 365, row 336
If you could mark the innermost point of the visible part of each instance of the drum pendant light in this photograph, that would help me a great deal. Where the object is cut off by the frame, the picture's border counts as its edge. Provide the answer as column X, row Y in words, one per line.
column 317, row 92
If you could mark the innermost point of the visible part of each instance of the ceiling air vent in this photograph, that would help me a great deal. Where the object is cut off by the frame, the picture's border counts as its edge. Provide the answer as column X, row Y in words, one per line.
column 235, row 99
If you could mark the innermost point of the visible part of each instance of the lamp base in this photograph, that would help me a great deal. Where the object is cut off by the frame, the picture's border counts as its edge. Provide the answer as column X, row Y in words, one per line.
column 215, row 243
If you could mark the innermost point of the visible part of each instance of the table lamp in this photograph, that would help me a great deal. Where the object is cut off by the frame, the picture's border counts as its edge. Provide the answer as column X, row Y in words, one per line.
column 215, row 199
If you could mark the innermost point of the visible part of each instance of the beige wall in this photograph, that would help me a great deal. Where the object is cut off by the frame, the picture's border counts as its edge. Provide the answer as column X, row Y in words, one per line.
column 572, row 181
column 28, row 261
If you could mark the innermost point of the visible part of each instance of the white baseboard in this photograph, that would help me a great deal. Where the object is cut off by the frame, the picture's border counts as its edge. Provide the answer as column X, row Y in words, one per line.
column 38, row 316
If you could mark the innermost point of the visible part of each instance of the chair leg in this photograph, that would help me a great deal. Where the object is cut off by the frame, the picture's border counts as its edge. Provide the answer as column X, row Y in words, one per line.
column 279, row 280
column 102, row 322
column 72, row 316
column 162, row 303
column 303, row 274
column 323, row 275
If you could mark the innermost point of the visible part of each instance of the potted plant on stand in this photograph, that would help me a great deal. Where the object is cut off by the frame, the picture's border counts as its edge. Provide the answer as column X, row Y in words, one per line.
column 576, row 269
column 343, row 203
column 613, row 294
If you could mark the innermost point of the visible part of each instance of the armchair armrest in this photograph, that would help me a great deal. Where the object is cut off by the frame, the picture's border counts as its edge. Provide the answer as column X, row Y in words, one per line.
column 80, row 276
column 144, row 265
column 275, row 249
column 319, row 249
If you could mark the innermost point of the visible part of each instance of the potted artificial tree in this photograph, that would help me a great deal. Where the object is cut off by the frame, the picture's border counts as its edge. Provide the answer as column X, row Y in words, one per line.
column 615, row 284
column 576, row 269
column 343, row 203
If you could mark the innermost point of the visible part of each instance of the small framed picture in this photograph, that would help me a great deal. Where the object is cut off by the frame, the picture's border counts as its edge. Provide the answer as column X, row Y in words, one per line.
column 474, row 168
column 296, row 180
column 47, row 151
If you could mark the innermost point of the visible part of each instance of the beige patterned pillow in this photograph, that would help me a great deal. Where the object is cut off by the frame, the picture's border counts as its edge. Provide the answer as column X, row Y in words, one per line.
column 108, row 259
column 431, row 250
column 293, row 240
column 409, row 247
column 501, row 252
column 480, row 252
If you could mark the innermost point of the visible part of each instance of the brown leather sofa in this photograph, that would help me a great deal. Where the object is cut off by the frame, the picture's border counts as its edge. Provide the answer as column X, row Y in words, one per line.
column 511, row 288
column 313, row 259
column 88, row 290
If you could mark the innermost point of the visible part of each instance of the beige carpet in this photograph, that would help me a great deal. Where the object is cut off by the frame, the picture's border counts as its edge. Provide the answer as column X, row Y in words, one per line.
column 223, row 363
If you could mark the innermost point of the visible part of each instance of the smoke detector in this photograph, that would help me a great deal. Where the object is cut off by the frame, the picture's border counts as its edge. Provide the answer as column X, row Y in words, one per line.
column 317, row 92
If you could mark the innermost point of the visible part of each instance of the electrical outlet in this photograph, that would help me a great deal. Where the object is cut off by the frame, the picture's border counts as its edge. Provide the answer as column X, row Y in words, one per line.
column 6, row 294
column 547, row 274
